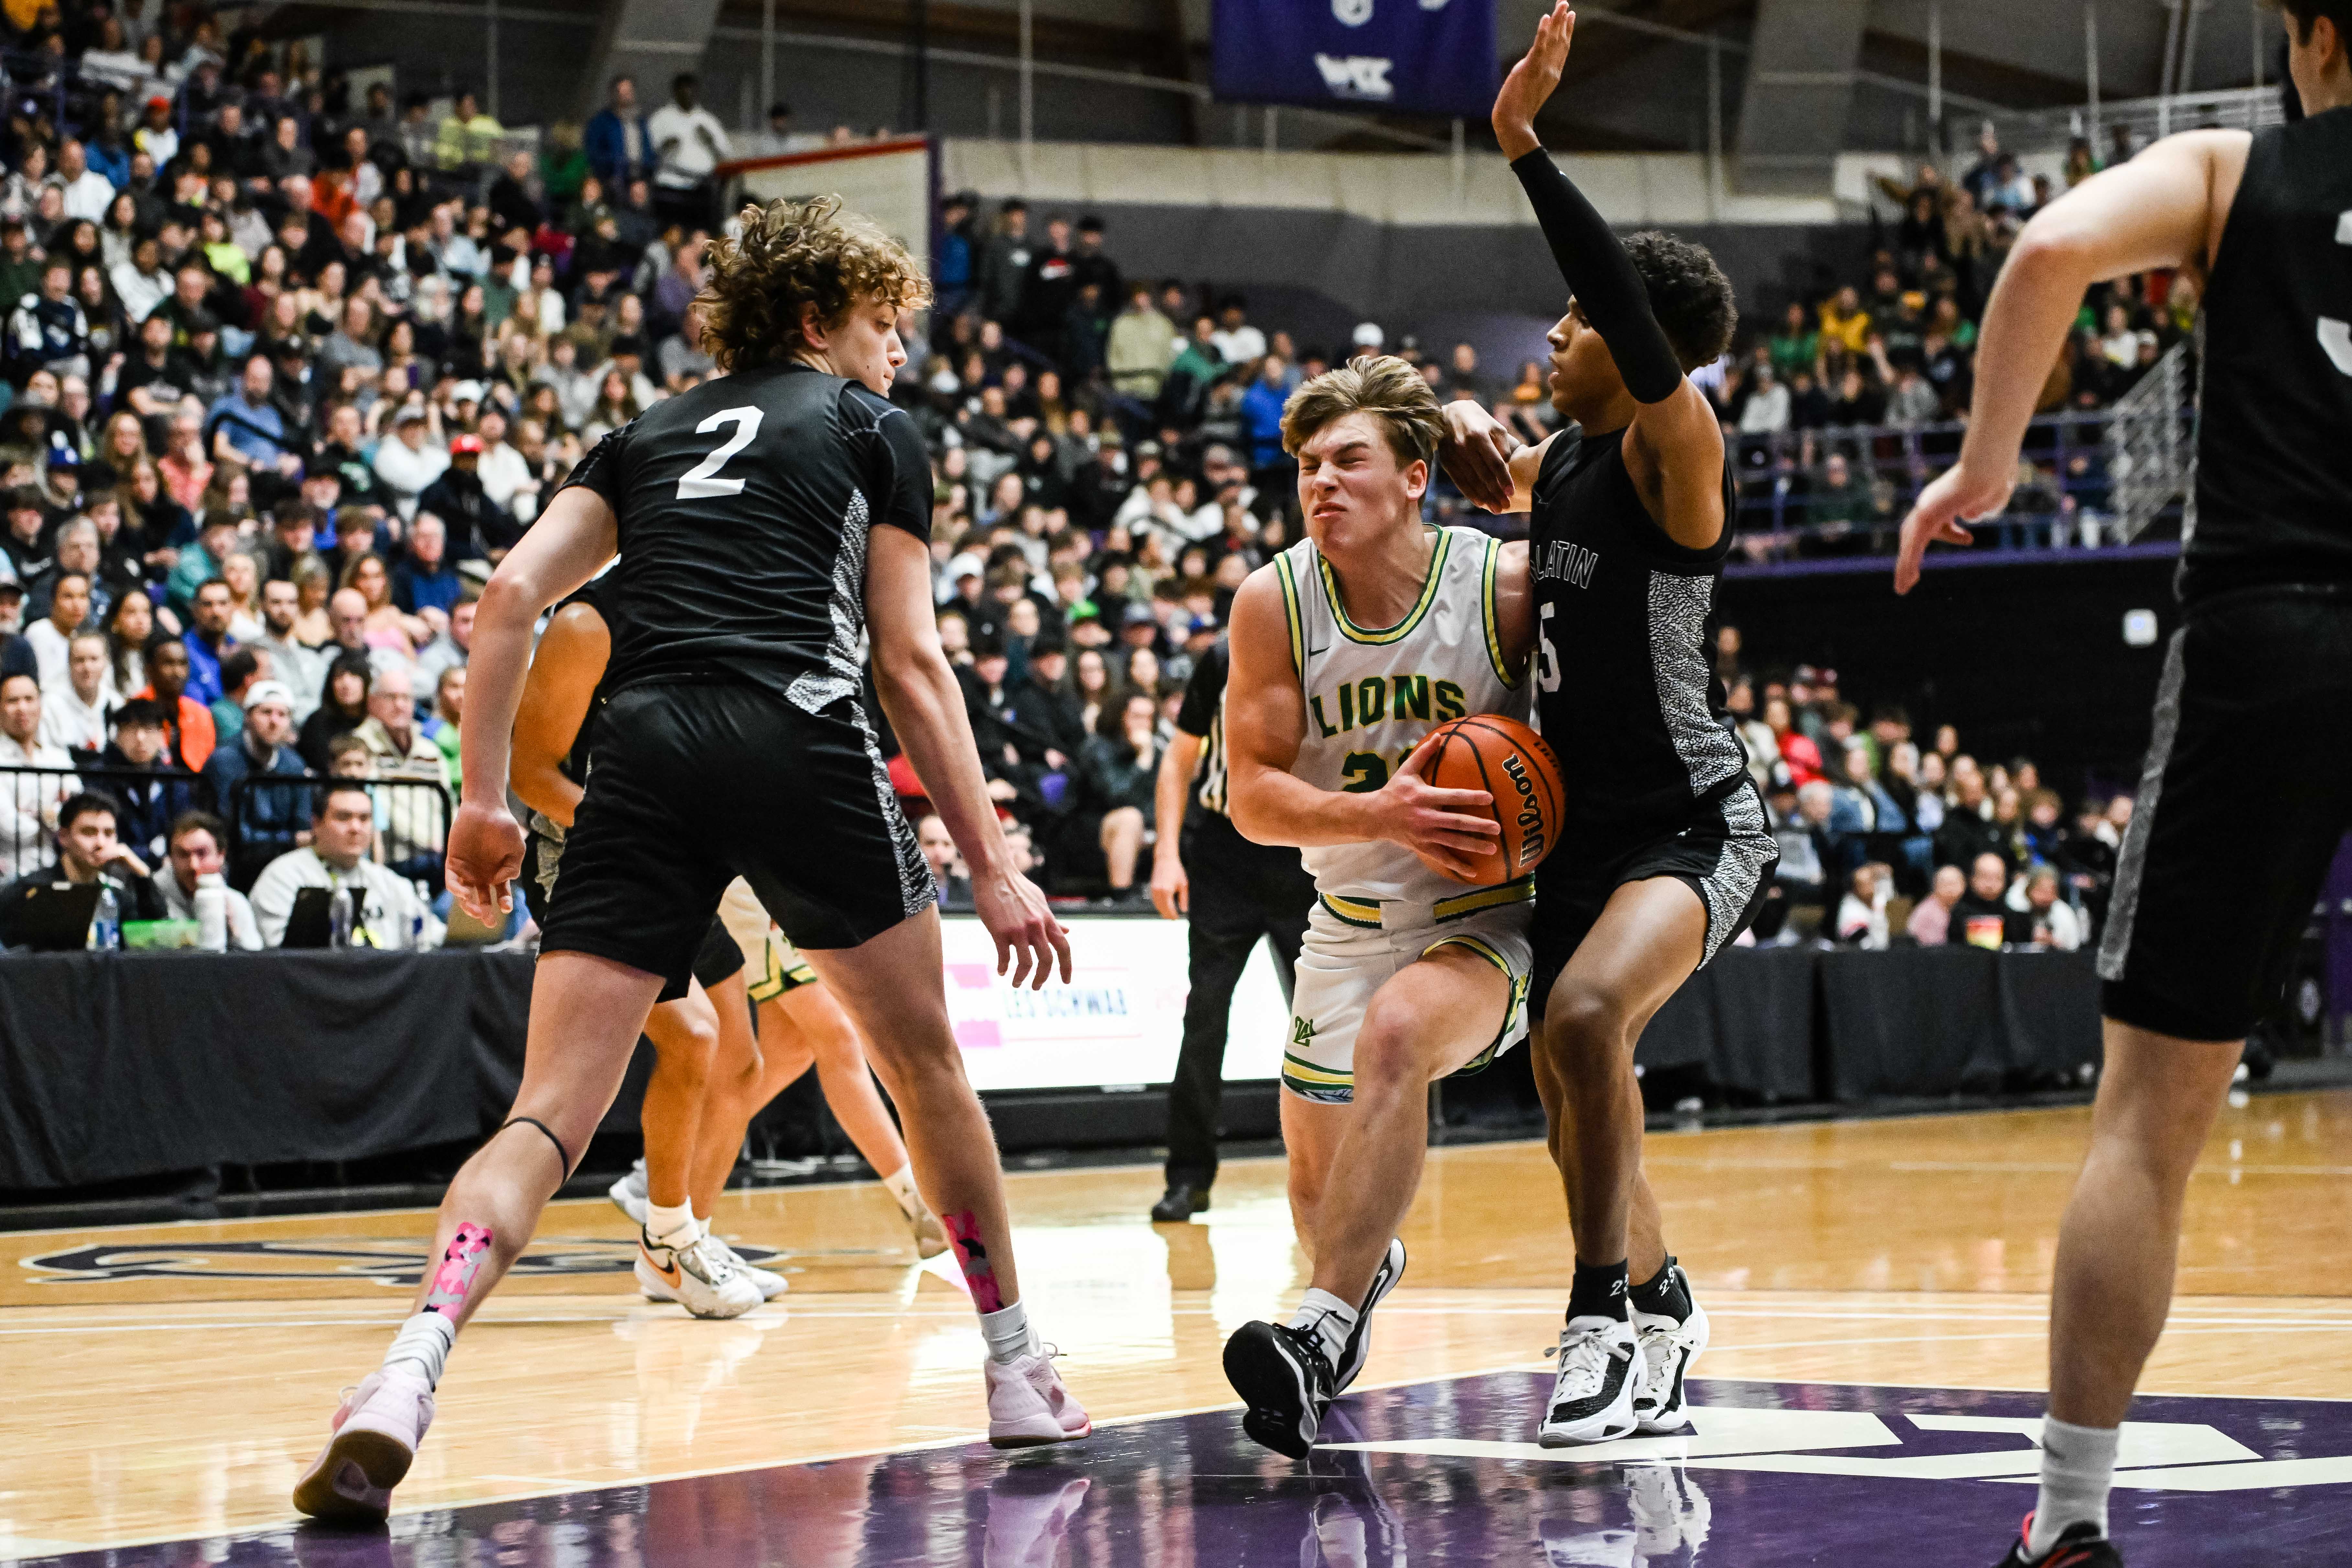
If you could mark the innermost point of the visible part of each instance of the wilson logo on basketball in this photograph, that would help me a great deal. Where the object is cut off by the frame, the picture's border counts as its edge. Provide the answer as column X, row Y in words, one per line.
column 1530, row 817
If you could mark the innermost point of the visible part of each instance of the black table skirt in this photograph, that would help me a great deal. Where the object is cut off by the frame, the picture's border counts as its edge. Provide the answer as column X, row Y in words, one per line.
column 126, row 1064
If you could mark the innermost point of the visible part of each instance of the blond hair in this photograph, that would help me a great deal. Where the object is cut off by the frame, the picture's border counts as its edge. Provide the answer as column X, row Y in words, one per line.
column 791, row 254
column 1381, row 385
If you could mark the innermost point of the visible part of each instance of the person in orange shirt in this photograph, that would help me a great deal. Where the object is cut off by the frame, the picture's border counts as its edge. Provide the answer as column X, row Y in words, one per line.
column 189, row 727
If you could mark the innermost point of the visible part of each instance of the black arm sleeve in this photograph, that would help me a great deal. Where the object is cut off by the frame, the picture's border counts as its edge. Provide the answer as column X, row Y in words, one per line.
column 1602, row 276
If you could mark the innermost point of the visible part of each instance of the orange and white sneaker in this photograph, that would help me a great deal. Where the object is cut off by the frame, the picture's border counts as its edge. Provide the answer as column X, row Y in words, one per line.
column 700, row 1275
column 376, row 1432
column 1028, row 1406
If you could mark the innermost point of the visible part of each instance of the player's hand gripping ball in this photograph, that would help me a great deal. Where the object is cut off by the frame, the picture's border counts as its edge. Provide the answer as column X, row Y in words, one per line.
column 1511, row 763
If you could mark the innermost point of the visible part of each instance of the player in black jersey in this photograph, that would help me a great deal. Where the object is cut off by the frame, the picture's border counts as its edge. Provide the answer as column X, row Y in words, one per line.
column 1664, row 852
column 769, row 522
column 1231, row 892
column 2211, row 897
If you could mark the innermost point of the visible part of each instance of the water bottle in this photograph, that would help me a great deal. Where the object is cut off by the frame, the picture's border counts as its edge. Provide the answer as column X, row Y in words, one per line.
column 211, row 904
column 105, row 925
column 339, row 917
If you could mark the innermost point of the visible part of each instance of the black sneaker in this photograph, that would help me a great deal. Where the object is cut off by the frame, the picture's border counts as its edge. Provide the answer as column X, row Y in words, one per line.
column 1359, row 1338
column 1180, row 1202
column 1282, row 1376
column 2082, row 1546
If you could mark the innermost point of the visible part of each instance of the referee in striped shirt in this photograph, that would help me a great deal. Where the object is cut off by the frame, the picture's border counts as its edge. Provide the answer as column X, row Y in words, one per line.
column 1234, row 892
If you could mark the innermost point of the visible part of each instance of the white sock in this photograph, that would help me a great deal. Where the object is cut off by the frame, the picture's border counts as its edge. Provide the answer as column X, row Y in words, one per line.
column 670, row 1227
column 1007, row 1333
column 901, row 1183
column 2078, row 1467
column 424, row 1339
column 1328, row 1318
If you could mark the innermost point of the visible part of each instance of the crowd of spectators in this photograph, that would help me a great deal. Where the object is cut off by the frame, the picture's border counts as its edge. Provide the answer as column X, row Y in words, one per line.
column 1885, row 840
column 288, row 368
column 1844, row 403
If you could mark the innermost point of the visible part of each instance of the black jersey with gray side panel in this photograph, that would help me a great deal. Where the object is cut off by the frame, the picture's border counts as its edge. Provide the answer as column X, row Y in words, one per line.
column 2274, row 436
column 1625, row 684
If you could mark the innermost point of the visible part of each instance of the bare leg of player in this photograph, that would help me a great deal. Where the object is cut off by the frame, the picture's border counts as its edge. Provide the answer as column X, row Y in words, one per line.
column 585, row 1015
column 1633, row 1330
column 846, row 1078
column 1354, row 1171
column 684, row 1033
column 955, row 1160
column 2118, row 1249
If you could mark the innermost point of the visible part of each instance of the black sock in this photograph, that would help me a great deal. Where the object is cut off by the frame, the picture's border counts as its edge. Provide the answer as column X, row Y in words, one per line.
column 1663, row 1297
column 1598, row 1292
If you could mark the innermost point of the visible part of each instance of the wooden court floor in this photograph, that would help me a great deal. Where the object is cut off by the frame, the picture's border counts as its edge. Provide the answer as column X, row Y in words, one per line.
column 169, row 1381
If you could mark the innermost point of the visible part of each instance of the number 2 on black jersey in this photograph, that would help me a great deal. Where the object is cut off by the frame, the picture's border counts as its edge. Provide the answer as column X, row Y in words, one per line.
column 702, row 481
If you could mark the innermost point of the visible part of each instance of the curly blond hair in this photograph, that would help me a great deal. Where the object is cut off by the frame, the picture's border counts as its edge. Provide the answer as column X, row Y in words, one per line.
column 1381, row 385
column 791, row 254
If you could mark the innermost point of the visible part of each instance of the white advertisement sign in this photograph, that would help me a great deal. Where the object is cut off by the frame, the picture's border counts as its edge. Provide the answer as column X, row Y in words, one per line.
column 1117, row 1023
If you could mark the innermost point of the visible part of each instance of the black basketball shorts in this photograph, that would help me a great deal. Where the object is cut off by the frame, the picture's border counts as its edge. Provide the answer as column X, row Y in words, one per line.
column 2246, row 794
column 1725, row 854
column 693, row 784
column 719, row 959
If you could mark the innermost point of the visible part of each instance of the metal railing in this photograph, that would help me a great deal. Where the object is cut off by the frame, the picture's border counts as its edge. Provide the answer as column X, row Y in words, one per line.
column 1786, row 509
column 2152, row 439
column 2051, row 130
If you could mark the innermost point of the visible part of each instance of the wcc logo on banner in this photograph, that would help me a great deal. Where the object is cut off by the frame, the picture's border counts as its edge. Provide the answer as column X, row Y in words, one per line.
column 1425, row 56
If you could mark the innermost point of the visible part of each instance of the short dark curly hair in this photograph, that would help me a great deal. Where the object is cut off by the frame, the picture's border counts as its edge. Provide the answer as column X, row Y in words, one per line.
column 1689, row 296
column 786, row 255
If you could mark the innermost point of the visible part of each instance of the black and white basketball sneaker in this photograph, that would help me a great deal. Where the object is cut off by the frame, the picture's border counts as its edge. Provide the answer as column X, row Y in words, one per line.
column 1359, row 1338
column 1669, row 1350
column 1282, row 1375
column 2080, row 1546
column 1601, row 1376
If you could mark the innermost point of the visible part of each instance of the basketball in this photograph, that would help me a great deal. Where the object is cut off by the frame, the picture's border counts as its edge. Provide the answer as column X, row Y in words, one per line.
column 1510, row 762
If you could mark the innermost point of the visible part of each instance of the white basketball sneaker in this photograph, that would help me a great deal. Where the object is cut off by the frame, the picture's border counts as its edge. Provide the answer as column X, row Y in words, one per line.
column 628, row 1194
column 1670, row 1348
column 376, row 1431
column 698, row 1275
column 1028, row 1404
column 771, row 1283
column 1601, row 1376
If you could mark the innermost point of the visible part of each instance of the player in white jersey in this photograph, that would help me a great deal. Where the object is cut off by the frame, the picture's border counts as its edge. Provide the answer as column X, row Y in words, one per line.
column 1407, row 974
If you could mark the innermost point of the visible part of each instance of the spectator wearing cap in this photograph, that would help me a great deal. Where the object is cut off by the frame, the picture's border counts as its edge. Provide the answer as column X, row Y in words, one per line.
column 145, row 777
column 478, row 528
column 188, row 723
column 29, row 801
column 268, row 818
column 20, row 264
column 1139, row 627
column 1042, row 716
column 198, row 848
column 426, row 580
column 952, row 263
column 73, row 711
column 409, row 463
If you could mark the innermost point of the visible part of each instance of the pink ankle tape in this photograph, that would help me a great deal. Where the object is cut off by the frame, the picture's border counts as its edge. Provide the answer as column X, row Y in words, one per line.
column 454, row 1279
column 963, row 1229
